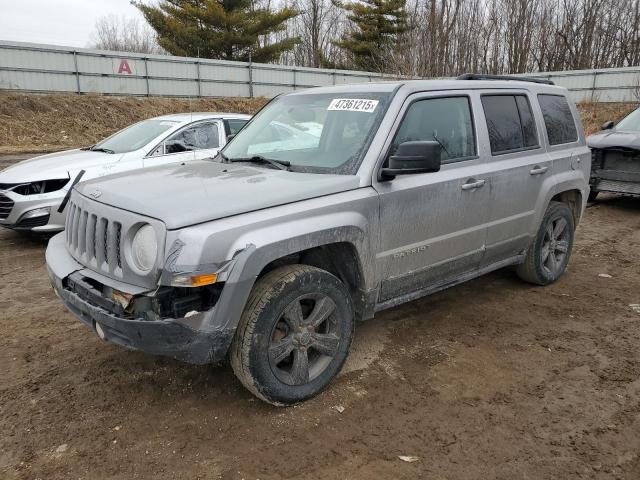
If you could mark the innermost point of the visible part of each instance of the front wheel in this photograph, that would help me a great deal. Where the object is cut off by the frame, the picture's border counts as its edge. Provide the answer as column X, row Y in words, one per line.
column 549, row 253
column 294, row 334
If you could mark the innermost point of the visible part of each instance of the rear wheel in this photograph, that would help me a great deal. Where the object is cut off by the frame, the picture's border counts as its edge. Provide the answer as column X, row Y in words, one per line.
column 294, row 334
column 549, row 253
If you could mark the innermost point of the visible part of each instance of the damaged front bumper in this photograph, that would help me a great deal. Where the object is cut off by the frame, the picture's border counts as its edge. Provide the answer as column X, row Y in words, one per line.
column 615, row 170
column 199, row 337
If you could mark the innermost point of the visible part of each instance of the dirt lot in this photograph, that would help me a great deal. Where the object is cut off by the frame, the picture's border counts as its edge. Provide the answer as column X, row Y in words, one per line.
column 491, row 379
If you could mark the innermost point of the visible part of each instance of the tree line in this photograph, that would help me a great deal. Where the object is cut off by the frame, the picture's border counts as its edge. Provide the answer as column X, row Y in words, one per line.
column 427, row 38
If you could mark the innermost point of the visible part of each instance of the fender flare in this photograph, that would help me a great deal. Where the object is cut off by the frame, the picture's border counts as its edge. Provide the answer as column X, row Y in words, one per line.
column 251, row 260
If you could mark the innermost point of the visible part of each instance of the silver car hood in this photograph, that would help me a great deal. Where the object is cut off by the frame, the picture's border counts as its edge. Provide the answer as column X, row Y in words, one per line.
column 55, row 165
column 187, row 194
column 613, row 138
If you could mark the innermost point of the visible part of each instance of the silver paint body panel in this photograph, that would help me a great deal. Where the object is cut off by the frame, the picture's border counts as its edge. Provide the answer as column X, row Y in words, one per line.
column 412, row 235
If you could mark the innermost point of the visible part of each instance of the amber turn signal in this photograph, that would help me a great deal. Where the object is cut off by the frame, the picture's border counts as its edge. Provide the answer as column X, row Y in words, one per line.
column 206, row 279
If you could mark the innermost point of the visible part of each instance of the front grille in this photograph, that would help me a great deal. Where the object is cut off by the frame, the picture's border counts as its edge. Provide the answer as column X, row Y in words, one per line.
column 32, row 222
column 6, row 205
column 94, row 240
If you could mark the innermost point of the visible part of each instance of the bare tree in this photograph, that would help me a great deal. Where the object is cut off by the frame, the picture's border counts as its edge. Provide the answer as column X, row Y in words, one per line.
column 124, row 34
column 447, row 37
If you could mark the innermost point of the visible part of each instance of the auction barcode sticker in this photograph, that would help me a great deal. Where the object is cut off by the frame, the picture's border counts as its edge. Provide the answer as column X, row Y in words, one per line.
column 353, row 105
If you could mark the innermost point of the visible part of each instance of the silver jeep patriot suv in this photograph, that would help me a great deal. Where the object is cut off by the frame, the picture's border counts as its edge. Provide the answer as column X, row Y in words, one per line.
column 330, row 205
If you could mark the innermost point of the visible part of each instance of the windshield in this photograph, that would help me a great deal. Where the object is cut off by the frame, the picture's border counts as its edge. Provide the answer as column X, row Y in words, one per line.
column 631, row 122
column 136, row 136
column 324, row 133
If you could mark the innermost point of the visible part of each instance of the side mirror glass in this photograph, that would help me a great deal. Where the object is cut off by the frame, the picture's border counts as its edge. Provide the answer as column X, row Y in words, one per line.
column 414, row 157
column 607, row 125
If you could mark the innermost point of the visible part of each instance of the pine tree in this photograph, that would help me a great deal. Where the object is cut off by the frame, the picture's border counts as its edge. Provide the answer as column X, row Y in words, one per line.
column 219, row 29
column 377, row 25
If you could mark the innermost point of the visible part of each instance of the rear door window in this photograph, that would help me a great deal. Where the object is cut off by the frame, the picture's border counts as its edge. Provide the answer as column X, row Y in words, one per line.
column 510, row 123
column 558, row 119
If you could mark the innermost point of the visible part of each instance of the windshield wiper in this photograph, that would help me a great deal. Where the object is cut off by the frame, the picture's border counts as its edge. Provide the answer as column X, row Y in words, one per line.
column 87, row 148
column 101, row 149
column 281, row 164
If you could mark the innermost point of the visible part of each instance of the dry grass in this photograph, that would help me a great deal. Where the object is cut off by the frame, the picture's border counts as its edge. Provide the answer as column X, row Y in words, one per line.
column 41, row 123
column 595, row 114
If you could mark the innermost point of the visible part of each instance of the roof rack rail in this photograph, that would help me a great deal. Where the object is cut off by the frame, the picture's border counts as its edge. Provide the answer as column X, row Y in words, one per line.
column 480, row 76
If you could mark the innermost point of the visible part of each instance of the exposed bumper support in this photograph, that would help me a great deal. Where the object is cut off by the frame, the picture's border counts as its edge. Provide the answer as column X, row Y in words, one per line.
column 201, row 338
column 167, row 337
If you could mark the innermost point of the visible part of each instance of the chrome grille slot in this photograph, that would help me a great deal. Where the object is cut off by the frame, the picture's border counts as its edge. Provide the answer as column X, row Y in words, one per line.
column 101, row 244
column 6, row 205
column 82, row 236
column 91, row 238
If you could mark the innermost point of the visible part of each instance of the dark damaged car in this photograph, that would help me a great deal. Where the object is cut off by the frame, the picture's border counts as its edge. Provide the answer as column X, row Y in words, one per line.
column 615, row 157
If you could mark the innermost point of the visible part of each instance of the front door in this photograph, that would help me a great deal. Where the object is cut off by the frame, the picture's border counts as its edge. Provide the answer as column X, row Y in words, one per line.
column 195, row 141
column 433, row 225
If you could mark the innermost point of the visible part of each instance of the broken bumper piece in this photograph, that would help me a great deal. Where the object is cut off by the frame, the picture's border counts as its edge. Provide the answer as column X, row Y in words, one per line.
column 169, row 337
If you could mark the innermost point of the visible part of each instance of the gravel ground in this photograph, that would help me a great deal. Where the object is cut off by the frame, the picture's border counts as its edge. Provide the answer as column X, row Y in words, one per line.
column 490, row 379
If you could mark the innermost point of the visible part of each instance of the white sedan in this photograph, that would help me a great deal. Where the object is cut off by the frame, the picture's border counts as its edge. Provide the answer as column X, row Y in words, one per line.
column 32, row 191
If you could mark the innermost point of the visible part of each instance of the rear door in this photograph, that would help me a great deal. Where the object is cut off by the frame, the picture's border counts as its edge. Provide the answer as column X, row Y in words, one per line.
column 566, row 145
column 433, row 225
column 518, row 165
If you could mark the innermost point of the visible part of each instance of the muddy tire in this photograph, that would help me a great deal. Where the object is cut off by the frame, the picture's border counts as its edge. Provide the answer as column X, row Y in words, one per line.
column 549, row 253
column 294, row 334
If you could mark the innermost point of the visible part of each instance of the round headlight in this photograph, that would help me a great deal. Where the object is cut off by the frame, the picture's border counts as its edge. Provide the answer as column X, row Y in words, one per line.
column 144, row 248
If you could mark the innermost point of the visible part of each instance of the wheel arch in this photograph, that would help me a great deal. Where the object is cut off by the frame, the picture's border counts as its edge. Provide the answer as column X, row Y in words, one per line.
column 341, row 251
column 574, row 200
column 340, row 259
column 567, row 187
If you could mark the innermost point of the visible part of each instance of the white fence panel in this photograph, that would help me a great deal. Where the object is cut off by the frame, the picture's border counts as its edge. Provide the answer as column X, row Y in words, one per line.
column 47, row 68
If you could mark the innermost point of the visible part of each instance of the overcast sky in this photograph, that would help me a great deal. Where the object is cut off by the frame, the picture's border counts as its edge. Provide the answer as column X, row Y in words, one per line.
column 62, row 22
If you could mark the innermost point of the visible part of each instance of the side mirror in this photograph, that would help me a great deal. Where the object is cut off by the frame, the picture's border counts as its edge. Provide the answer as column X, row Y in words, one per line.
column 607, row 125
column 414, row 157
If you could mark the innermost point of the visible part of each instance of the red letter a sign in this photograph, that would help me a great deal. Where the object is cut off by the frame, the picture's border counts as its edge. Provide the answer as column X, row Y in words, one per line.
column 124, row 67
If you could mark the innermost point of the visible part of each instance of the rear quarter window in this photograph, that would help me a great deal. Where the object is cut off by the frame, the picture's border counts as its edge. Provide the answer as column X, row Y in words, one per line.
column 235, row 124
column 558, row 119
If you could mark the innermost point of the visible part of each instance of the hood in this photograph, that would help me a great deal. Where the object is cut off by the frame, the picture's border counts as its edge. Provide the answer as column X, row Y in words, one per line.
column 55, row 165
column 614, row 138
column 186, row 194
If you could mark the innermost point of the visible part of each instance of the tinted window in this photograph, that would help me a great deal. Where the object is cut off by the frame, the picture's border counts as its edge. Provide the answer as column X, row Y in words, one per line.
column 510, row 122
column 235, row 125
column 444, row 120
column 558, row 120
